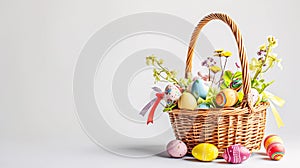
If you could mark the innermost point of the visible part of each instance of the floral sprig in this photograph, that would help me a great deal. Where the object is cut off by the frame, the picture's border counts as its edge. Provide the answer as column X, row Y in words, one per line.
column 266, row 58
column 161, row 73
column 221, row 53
column 265, row 61
column 210, row 63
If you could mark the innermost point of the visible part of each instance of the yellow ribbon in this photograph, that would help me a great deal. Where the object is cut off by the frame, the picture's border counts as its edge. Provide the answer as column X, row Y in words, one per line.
column 276, row 115
column 277, row 101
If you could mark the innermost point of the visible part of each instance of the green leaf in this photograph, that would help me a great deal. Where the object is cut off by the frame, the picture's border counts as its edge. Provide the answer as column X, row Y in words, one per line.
column 200, row 100
column 240, row 96
column 169, row 108
column 238, row 74
column 223, row 86
column 264, row 86
column 255, row 83
column 227, row 77
column 212, row 92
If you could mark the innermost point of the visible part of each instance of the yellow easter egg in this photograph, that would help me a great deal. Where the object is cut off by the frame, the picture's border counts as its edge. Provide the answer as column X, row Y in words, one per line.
column 205, row 152
column 187, row 101
column 227, row 98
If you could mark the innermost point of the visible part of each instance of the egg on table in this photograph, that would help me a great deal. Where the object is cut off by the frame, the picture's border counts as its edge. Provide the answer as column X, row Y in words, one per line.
column 276, row 151
column 272, row 139
column 176, row 148
column 227, row 98
column 199, row 89
column 172, row 93
column 187, row 101
column 236, row 154
column 205, row 152
column 274, row 147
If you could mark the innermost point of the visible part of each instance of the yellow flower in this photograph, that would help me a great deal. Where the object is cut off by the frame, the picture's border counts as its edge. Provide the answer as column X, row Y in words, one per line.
column 215, row 69
column 272, row 40
column 263, row 47
column 226, row 54
column 219, row 50
column 254, row 64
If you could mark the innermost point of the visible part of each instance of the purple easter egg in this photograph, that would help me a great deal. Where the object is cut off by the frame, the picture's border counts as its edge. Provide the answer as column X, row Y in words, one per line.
column 176, row 148
column 236, row 154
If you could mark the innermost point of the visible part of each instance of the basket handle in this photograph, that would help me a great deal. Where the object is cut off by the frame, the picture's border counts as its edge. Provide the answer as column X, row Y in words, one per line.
column 242, row 54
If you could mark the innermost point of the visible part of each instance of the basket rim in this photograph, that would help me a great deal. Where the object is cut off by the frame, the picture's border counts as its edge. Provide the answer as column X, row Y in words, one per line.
column 224, row 111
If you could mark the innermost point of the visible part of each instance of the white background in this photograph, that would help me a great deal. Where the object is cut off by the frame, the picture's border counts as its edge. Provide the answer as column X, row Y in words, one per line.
column 41, row 40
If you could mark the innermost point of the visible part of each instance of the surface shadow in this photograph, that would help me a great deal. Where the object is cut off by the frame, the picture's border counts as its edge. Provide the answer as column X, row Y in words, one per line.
column 222, row 162
column 163, row 154
column 267, row 159
column 259, row 153
column 144, row 151
column 191, row 159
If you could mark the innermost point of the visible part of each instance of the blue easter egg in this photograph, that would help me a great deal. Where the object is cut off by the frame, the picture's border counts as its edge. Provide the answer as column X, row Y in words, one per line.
column 199, row 89
column 203, row 106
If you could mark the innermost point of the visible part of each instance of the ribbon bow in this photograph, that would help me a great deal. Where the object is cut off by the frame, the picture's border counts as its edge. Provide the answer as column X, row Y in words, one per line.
column 154, row 103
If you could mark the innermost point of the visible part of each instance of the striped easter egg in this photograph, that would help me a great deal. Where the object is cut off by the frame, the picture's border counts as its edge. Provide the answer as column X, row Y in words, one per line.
column 276, row 151
column 271, row 139
column 227, row 98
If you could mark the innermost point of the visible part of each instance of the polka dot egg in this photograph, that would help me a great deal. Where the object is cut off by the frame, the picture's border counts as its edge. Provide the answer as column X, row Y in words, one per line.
column 172, row 93
column 176, row 148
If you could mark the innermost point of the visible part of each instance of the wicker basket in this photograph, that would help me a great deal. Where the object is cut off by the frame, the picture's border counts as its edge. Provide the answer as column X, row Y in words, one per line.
column 222, row 127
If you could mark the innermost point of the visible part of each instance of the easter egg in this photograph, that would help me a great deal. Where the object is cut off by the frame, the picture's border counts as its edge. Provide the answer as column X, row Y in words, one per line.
column 187, row 101
column 176, row 148
column 236, row 84
column 275, row 151
column 199, row 89
column 272, row 139
column 236, row 154
column 172, row 93
column 254, row 95
column 205, row 152
column 227, row 98
column 203, row 106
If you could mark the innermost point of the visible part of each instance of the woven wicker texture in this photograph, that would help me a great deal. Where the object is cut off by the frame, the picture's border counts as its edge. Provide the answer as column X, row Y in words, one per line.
column 222, row 127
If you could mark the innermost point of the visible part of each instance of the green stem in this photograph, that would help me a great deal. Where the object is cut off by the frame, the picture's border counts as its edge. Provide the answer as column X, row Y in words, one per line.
column 263, row 63
column 221, row 63
column 267, row 69
column 223, row 69
column 256, row 73
column 212, row 82
column 166, row 70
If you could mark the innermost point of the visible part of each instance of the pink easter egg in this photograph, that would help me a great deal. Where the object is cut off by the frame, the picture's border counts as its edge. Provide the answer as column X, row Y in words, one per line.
column 176, row 148
column 236, row 154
